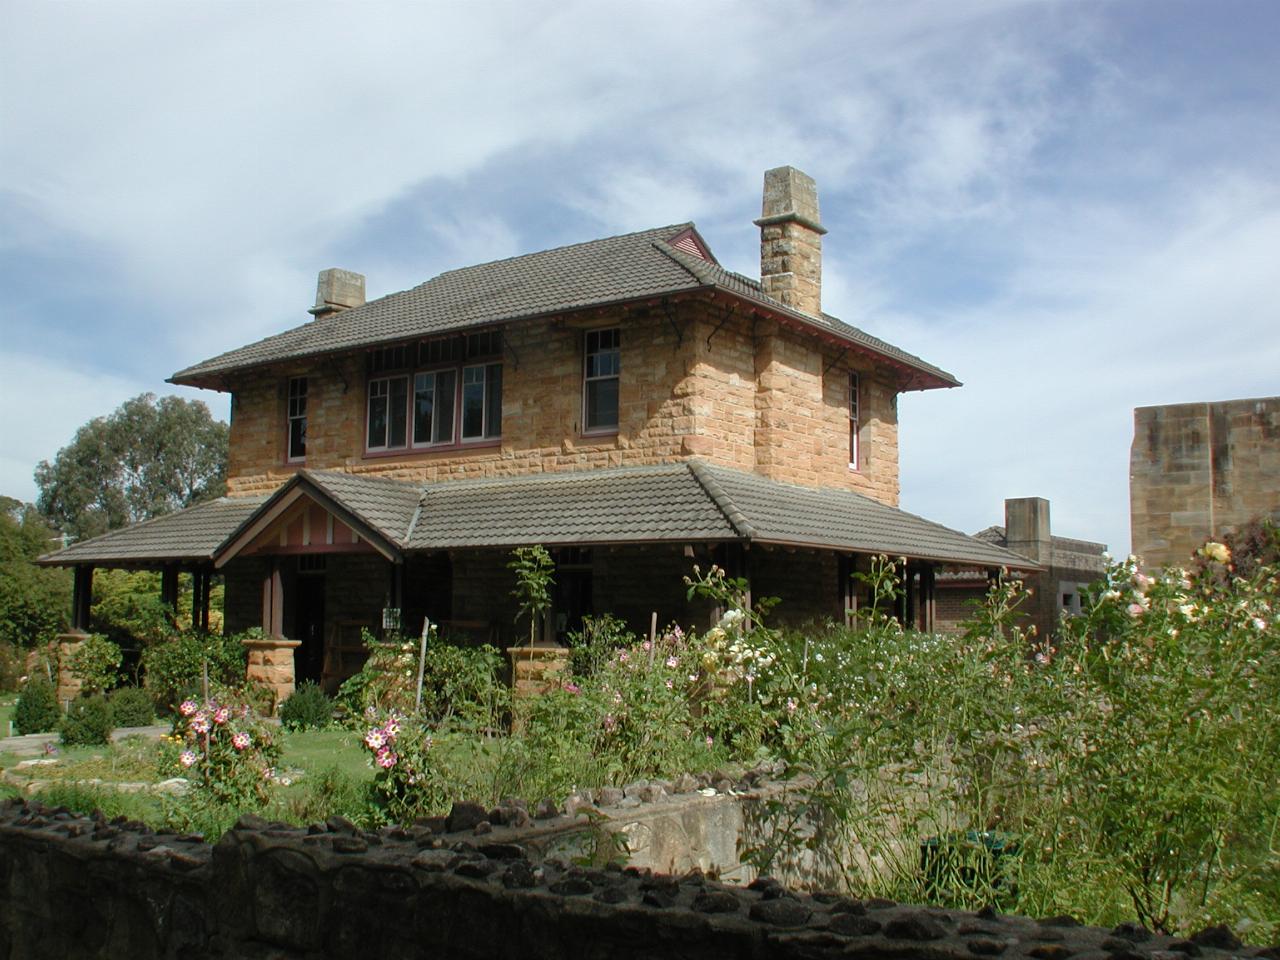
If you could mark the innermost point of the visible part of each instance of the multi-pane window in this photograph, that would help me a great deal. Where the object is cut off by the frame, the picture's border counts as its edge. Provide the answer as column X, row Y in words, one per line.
column 297, row 418
column 388, row 412
column 433, row 395
column 600, row 380
column 439, row 406
column 482, row 401
column 853, row 421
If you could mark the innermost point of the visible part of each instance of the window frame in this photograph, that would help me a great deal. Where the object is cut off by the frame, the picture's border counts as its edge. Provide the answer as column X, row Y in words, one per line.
column 454, row 361
column 855, row 422
column 295, row 415
column 588, row 379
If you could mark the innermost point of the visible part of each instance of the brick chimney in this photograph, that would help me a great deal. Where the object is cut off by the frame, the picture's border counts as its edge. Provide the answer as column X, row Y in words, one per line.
column 791, row 240
column 337, row 290
column 1026, row 527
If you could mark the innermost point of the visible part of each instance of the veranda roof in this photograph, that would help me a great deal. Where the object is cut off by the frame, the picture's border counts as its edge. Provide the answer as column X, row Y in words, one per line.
column 687, row 502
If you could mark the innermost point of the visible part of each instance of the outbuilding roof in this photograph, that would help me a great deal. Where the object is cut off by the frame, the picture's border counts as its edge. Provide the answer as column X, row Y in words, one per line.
column 690, row 501
column 629, row 268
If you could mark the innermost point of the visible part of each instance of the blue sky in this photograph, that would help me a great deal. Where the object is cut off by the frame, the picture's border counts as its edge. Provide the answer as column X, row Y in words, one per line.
column 1074, row 207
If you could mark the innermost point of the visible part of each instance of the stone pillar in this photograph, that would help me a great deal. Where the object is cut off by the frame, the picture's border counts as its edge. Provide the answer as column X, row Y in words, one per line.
column 791, row 240
column 68, row 687
column 535, row 670
column 271, row 664
column 1026, row 528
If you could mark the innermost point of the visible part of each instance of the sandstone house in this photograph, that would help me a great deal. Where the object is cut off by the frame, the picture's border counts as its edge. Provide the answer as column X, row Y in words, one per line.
column 627, row 402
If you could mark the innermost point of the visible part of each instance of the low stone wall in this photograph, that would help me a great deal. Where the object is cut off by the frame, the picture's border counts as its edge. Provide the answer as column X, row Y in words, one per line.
column 78, row 887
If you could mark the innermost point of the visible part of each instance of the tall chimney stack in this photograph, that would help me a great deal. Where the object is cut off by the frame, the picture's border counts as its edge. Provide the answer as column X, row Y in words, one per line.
column 337, row 290
column 1026, row 528
column 791, row 240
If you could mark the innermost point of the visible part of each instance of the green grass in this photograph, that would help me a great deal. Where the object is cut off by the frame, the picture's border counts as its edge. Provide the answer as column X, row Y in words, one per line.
column 315, row 750
column 7, row 702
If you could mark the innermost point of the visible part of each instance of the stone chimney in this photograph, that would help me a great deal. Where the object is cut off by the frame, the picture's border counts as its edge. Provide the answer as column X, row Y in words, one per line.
column 791, row 240
column 337, row 290
column 1026, row 528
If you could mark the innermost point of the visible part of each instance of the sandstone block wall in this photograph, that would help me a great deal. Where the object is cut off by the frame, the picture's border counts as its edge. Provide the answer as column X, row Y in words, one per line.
column 1198, row 471
column 702, row 383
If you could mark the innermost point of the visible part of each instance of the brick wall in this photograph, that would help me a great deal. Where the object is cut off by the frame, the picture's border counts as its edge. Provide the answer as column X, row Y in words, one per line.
column 731, row 390
column 808, row 580
column 1200, row 470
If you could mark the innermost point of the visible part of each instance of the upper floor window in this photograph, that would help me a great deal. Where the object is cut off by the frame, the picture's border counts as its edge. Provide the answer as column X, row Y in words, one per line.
column 297, row 419
column 453, row 402
column 600, row 380
column 853, row 421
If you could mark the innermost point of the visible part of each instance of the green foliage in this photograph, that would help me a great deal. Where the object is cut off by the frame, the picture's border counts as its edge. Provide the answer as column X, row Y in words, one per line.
column 228, row 754
column 460, row 684
column 37, row 710
column 308, row 707
column 34, row 601
column 132, row 707
column 96, row 664
column 1132, row 767
column 533, row 569
column 148, row 458
column 596, row 643
column 88, row 722
column 407, row 783
column 127, row 608
column 173, row 669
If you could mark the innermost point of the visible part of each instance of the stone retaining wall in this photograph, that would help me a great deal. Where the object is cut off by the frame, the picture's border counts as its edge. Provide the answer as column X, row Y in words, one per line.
column 84, row 887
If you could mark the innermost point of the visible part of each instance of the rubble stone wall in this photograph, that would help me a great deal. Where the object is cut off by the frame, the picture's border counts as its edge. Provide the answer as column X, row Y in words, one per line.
column 78, row 887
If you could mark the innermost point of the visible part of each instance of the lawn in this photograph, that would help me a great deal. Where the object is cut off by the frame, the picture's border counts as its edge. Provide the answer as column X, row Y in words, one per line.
column 7, row 702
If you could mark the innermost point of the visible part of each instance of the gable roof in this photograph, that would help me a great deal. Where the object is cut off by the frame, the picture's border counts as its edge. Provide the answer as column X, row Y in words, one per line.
column 187, row 536
column 628, row 268
column 690, row 501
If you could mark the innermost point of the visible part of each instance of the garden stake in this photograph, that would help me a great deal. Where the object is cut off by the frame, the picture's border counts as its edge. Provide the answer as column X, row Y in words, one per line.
column 422, row 664
column 653, row 635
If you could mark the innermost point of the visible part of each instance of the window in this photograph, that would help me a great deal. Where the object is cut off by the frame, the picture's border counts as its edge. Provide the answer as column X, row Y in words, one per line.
column 454, row 402
column 600, row 381
column 297, row 419
column 853, row 421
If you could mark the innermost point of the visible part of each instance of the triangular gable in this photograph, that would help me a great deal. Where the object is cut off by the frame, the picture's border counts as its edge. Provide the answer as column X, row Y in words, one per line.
column 302, row 518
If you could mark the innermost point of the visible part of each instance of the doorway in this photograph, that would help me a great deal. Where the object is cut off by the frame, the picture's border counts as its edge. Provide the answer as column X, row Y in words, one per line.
column 308, row 619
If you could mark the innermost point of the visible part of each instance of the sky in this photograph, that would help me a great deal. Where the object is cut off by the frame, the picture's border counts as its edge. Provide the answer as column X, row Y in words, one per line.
column 1074, row 207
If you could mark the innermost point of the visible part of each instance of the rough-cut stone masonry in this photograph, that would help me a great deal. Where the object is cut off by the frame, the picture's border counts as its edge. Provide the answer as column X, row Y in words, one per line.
column 1201, row 470
column 84, row 887
column 711, row 384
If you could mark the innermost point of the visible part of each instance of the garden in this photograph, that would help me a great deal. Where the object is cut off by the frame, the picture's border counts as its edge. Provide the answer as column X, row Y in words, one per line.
column 1127, row 767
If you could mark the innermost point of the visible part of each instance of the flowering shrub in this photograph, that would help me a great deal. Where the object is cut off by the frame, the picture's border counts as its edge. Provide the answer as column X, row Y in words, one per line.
column 406, row 782
column 96, row 664
column 1132, row 760
column 227, row 753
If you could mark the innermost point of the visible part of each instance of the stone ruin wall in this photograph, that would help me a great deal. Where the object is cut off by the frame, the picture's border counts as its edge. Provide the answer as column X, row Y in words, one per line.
column 86, row 887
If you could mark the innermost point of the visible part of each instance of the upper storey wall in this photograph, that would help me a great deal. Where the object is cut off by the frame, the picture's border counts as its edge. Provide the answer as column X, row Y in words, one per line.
column 740, row 393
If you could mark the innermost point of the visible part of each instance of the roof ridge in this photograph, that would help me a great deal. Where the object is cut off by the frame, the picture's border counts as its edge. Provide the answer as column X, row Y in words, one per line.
column 549, row 250
column 704, row 473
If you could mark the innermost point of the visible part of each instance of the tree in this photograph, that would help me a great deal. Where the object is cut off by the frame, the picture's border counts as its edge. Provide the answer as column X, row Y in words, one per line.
column 33, row 601
column 148, row 458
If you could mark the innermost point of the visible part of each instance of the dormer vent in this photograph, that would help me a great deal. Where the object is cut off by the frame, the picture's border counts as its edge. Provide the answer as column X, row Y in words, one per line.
column 791, row 240
column 337, row 290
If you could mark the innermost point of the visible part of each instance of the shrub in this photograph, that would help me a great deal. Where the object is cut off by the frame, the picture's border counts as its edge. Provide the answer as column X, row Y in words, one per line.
column 407, row 783
column 309, row 706
column 96, row 664
column 87, row 723
column 173, row 669
column 227, row 753
column 132, row 707
column 598, row 640
column 37, row 709
column 386, row 682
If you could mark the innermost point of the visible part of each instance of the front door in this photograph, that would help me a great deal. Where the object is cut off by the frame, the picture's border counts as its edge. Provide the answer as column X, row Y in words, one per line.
column 308, row 626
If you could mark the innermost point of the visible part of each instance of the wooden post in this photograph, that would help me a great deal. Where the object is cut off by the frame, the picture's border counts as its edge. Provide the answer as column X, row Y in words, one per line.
column 81, row 597
column 169, row 587
column 928, row 597
column 273, row 601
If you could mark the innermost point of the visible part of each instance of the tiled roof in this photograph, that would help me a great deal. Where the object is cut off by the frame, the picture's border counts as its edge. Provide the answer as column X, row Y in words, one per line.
column 690, row 501
column 635, row 266
column 623, row 505
column 773, row 512
column 387, row 505
column 188, row 536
